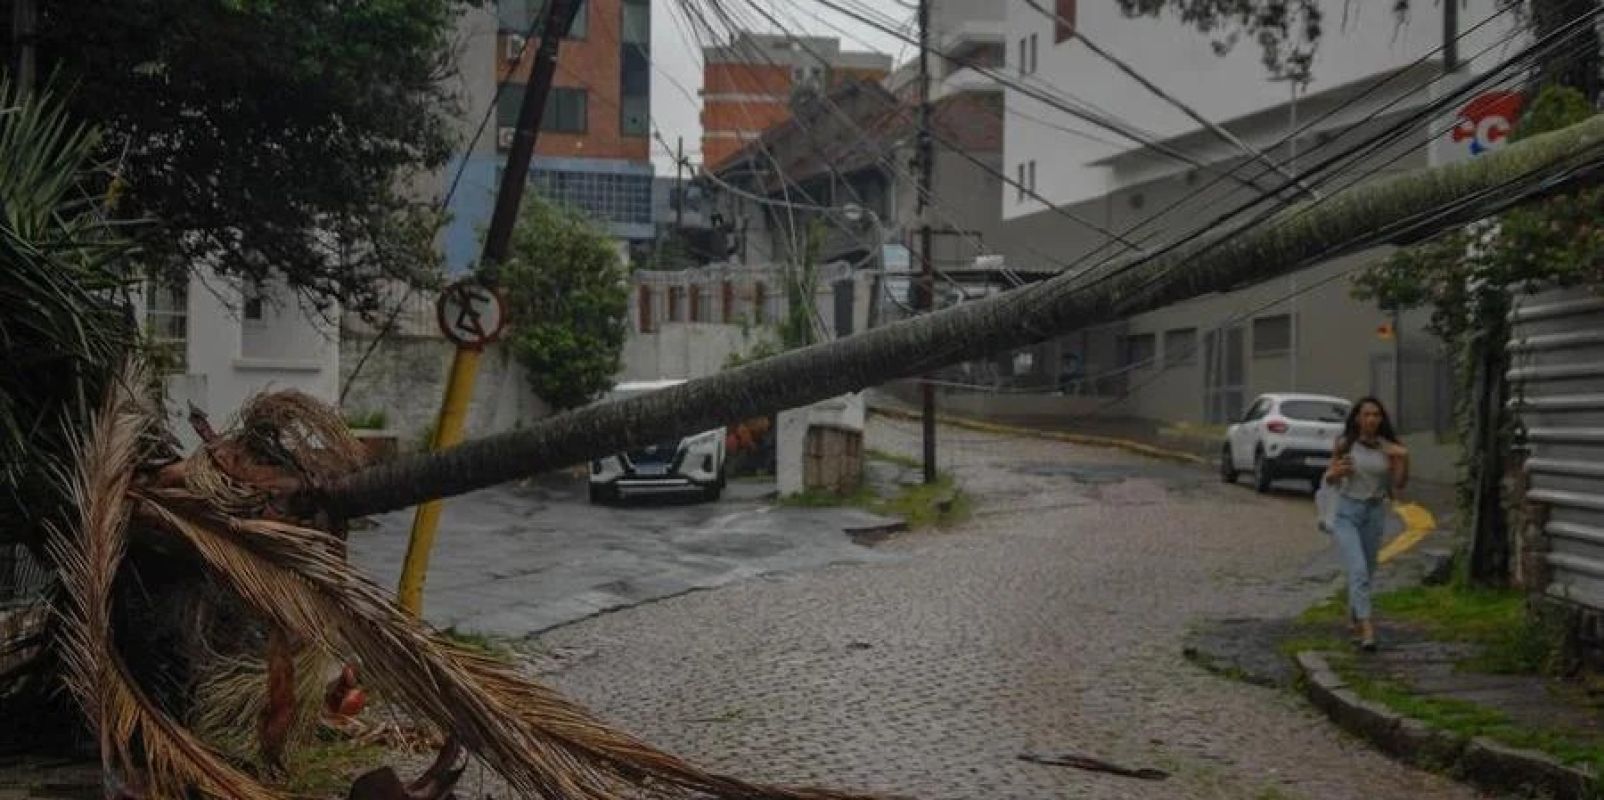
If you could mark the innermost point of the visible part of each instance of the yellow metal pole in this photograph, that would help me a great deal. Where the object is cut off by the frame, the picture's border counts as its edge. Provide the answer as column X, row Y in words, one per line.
column 447, row 432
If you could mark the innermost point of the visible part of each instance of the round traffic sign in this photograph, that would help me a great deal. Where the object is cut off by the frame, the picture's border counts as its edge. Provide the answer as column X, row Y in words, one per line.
column 470, row 314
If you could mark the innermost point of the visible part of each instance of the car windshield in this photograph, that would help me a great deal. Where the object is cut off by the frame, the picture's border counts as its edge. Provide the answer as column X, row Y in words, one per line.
column 1315, row 410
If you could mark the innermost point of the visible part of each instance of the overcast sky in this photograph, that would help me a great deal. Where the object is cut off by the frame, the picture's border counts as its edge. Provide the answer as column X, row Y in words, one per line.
column 678, row 59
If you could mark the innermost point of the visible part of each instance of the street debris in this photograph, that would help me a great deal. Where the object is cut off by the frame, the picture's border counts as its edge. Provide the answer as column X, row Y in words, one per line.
column 1094, row 765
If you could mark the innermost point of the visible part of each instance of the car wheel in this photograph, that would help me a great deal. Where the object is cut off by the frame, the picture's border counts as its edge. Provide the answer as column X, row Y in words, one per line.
column 602, row 494
column 1227, row 465
column 1314, row 485
column 1263, row 475
column 712, row 493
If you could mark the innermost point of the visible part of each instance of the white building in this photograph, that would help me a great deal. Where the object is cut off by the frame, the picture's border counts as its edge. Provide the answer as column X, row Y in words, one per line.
column 224, row 343
column 1361, row 42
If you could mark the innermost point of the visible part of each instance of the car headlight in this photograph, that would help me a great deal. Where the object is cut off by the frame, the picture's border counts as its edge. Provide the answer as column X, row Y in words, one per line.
column 704, row 440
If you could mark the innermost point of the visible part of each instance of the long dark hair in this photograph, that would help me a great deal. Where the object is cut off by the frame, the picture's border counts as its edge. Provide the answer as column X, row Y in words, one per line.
column 1350, row 428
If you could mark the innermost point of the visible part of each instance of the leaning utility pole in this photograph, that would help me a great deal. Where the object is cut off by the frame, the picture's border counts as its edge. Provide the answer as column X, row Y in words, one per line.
column 465, row 363
column 679, row 185
column 927, row 276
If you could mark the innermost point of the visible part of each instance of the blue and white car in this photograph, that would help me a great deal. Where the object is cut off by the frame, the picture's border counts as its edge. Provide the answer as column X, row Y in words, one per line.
column 690, row 465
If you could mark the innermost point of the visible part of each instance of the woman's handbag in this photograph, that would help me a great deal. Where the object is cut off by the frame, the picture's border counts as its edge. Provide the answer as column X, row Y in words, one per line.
column 1325, row 507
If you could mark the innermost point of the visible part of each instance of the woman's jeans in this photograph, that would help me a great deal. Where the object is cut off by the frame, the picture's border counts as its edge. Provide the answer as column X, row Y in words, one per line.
column 1357, row 529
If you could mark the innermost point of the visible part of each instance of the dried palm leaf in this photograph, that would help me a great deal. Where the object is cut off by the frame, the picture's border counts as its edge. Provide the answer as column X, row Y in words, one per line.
column 142, row 748
column 541, row 743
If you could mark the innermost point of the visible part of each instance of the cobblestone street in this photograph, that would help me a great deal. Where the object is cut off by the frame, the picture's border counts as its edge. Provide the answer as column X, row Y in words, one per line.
column 1050, row 623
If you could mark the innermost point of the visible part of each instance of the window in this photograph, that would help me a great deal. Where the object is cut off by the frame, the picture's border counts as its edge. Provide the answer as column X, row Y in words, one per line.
column 1180, row 347
column 637, row 25
column 699, row 305
column 565, row 109
column 760, row 300
column 1024, row 63
column 1020, row 183
column 624, row 198
column 676, row 304
column 520, row 16
column 167, row 324
column 647, row 323
column 1065, row 11
column 1315, row 410
column 1272, row 336
column 1138, row 349
column 1031, row 173
column 1258, row 410
column 1033, row 54
column 635, row 115
column 727, row 303
column 251, row 310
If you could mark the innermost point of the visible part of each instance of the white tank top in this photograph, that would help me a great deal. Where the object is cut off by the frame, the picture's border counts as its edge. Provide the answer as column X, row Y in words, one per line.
column 1370, row 479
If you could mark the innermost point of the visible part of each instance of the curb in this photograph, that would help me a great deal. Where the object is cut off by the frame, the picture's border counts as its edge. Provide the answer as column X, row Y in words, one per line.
column 1089, row 440
column 1480, row 761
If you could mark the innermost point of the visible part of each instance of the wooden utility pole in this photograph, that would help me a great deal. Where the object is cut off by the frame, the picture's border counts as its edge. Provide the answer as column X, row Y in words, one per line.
column 927, row 274
column 679, row 185
column 465, row 363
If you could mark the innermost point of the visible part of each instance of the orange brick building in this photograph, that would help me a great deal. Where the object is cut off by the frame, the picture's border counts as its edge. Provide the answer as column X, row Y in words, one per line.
column 747, row 84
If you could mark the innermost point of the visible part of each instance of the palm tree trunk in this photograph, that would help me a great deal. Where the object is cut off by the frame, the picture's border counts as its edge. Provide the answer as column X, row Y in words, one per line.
column 1404, row 209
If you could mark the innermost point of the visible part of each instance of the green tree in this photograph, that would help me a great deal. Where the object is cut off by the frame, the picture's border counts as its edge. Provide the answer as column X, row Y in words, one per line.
column 65, row 322
column 568, row 296
column 266, row 136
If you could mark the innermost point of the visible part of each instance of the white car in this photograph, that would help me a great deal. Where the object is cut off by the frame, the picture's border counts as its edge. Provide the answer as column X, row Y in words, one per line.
column 1284, row 436
column 693, row 464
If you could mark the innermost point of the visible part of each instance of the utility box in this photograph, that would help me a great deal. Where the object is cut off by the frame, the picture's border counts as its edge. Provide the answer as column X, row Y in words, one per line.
column 793, row 442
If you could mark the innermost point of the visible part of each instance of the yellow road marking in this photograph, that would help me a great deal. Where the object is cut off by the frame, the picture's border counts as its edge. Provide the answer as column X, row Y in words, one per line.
column 1418, row 523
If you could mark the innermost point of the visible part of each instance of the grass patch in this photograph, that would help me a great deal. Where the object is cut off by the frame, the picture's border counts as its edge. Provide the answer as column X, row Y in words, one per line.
column 327, row 766
column 893, row 458
column 818, row 498
column 480, row 643
column 1468, row 719
column 1510, row 639
column 938, row 504
column 935, row 504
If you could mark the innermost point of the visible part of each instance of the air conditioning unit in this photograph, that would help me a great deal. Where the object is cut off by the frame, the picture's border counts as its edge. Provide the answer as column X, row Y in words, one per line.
column 514, row 45
column 504, row 137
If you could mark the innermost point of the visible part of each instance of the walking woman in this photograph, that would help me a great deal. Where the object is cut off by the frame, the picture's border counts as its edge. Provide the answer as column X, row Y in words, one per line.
column 1368, row 465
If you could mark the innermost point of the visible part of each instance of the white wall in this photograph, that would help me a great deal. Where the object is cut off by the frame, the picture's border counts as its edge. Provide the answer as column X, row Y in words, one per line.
column 1182, row 61
column 290, row 348
column 683, row 350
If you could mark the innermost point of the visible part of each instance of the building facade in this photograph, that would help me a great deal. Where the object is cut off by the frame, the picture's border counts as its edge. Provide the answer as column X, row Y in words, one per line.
column 748, row 84
column 1090, row 194
column 594, row 151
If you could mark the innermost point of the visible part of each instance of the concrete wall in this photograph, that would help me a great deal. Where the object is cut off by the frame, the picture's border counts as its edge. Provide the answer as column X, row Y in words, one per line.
column 405, row 378
column 683, row 350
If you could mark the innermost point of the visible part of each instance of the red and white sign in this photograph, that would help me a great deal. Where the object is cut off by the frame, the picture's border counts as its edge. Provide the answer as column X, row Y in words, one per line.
column 1485, row 122
column 470, row 314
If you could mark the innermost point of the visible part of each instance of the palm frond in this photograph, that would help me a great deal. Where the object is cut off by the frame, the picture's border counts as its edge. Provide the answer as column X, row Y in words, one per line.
column 540, row 742
column 141, row 746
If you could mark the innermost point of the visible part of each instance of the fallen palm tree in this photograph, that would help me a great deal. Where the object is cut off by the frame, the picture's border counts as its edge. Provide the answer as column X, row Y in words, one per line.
column 213, row 515
column 175, row 569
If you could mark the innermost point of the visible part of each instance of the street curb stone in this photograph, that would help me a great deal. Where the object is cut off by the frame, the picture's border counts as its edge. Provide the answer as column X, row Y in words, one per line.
column 1481, row 761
